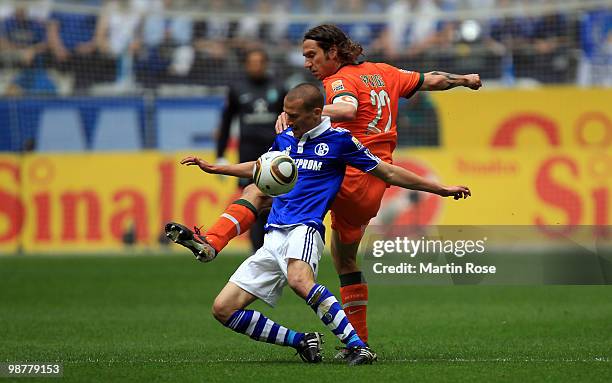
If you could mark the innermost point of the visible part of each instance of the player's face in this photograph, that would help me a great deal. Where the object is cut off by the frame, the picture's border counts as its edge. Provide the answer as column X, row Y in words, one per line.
column 256, row 65
column 320, row 64
column 299, row 118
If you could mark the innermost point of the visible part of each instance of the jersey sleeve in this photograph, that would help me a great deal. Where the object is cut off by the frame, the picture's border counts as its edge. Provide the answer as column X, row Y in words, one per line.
column 275, row 145
column 336, row 87
column 357, row 155
column 409, row 82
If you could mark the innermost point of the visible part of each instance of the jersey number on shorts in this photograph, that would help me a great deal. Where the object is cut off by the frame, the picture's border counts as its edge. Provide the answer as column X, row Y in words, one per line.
column 379, row 100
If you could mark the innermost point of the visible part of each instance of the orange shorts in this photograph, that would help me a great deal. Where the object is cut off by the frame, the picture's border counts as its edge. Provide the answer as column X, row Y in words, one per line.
column 356, row 203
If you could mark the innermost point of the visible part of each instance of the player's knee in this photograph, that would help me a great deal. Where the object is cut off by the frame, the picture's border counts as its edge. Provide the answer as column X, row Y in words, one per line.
column 346, row 261
column 300, row 284
column 344, row 256
column 221, row 310
column 252, row 194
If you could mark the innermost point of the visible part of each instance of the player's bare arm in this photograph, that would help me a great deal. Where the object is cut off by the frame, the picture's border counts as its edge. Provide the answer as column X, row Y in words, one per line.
column 340, row 111
column 242, row 170
column 401, row 177
column 437, row 80
column 337, row 112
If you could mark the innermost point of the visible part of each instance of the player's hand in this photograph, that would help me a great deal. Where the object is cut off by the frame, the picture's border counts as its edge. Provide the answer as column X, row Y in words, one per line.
column 205, row 166
column 457, row 192
column 473, row 81
column 281, row 123
column 27, row 56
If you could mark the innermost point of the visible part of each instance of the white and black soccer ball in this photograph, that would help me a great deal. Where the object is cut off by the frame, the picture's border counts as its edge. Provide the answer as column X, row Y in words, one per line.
column 275, row 173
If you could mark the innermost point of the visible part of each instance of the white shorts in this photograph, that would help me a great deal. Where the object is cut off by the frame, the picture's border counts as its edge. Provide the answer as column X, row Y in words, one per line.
column 264, row 274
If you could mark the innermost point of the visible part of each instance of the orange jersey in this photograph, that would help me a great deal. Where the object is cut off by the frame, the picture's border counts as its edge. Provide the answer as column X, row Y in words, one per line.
column 377, row 87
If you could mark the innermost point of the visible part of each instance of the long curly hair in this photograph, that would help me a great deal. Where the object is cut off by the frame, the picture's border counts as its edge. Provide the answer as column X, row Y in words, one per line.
column 328, row 35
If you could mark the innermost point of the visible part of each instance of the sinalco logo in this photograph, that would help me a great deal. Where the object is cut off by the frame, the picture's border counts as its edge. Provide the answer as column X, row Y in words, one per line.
column 321, row 149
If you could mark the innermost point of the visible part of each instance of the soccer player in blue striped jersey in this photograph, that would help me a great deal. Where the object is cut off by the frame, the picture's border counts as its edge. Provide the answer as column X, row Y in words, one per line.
column 293, row 244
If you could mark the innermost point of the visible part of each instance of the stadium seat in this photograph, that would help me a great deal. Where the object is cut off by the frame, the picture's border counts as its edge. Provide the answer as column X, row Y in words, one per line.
column 60, row 130
column 183, row 128
column 117, row 129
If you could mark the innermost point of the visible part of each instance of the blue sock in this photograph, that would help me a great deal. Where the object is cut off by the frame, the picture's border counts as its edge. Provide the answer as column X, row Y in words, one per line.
column 331, row 314
column 258, row 327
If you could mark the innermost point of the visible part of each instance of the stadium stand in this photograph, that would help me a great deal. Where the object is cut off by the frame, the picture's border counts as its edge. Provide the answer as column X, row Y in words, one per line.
column 143, row 49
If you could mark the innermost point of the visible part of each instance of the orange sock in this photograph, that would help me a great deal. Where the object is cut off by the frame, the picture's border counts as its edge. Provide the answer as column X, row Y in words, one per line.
column 235, row 220
column 355, row 305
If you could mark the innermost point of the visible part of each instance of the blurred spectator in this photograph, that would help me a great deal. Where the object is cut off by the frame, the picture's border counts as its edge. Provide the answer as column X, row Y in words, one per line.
column 362, row 31
column 509, row 37
column 22, row 43
column 73, row 49
column 279, row 27
column 217, row 28
column 165, row 53
column 536, row 47
column 413, row 36
column 252, row 28
column 117, row 25
column 214, row 59
column 127, row 36
column 116, row 31
column 596, row 39
column 296, row 30
column 549, row 56
column 511, row 32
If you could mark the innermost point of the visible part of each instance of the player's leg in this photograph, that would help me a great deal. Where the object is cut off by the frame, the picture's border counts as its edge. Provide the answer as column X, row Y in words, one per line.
column 353, row 285
column 260, row 277
column 303, row 255
column 231, row 299
column 257, row 231
column 229, row 308
column 357, row 202
column 301, row 280
column 237, row 218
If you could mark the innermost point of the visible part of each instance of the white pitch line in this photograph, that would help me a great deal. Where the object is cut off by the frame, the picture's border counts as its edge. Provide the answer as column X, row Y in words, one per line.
column 427, row 360
column 499, row 360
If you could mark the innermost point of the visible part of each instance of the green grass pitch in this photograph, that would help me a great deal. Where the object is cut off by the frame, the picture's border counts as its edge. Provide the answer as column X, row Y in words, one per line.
column 147, row 318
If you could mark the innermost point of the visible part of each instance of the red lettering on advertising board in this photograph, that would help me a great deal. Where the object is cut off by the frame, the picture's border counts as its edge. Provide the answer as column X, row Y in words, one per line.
column 70, row 202
column 582, row 124
column 556, row 194
column 166, row 191
column 190, row 209
column 11, row 206
column 506, row 134
column 42, row 207
column 135, row 214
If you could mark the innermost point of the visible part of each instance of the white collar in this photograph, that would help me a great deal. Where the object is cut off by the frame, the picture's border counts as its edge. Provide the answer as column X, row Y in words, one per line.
column 317, row 130
column 313, row 133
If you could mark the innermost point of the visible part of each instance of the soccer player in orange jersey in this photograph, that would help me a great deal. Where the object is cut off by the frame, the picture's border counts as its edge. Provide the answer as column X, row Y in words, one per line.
column 362, row 98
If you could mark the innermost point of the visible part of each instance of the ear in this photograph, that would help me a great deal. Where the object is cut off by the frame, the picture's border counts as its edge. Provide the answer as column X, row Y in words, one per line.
column 332, row 53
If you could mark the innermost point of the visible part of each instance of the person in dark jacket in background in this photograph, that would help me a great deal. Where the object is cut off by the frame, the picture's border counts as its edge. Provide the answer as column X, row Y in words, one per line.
column 256, row 100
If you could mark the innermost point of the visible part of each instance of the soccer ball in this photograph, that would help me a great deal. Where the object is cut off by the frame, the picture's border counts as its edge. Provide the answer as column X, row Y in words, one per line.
column 275, row 173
